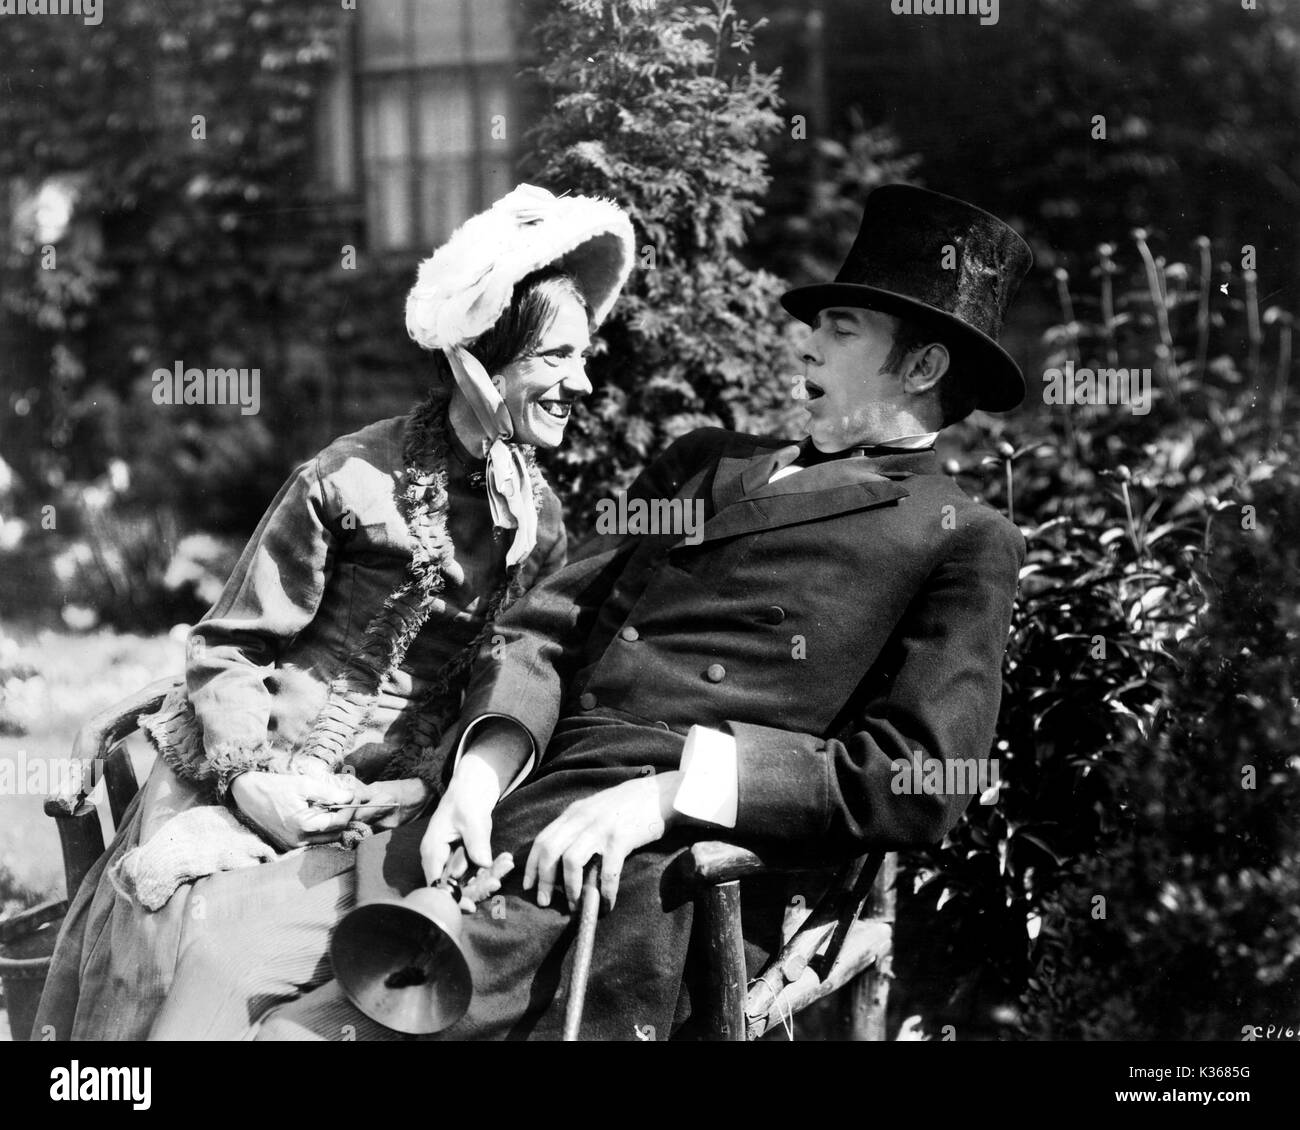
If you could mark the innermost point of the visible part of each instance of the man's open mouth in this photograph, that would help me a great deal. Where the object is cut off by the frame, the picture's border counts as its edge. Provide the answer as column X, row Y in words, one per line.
column 560, row 409
column 813, row 389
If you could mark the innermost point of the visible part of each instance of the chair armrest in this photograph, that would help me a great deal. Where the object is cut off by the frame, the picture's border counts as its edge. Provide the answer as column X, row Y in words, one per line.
column 715, row 861
column 710, row 862
column 25, row 921
column 104, row 730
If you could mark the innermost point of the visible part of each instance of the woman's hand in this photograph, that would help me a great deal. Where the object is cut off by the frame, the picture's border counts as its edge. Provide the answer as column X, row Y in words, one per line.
column 280, row 805
column 612, row 823
column 464, row 815
column 388, row 804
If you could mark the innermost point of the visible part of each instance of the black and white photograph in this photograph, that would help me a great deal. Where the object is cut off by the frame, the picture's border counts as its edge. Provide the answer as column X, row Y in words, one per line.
column 649, row 521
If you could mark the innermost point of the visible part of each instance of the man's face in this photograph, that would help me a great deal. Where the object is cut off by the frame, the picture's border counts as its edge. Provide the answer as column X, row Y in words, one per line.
column 849, row 393
column 541, row 388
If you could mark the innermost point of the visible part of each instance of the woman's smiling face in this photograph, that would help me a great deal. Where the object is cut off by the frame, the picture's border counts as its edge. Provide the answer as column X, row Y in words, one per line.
column 541, row 387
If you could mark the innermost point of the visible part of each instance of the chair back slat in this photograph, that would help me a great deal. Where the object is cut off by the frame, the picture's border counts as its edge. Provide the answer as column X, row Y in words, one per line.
column 120, row 783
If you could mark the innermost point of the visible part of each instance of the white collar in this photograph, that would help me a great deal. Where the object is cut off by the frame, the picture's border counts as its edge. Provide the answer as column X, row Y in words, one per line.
column 912, row 443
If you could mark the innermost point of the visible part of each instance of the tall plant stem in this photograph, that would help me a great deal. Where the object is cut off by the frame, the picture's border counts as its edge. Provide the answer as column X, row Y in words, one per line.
column 1281, row 376
column 1254, row 331
column 1062, row 277
column 1203, row 308
column 1165, row 351
column 1104, row 254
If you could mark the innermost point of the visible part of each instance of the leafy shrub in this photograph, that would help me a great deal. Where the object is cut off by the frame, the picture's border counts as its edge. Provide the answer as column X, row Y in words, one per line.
column 1202, row 934
column 1125, row 883
column 137, row 242
column 811, row 243
column 649, row 105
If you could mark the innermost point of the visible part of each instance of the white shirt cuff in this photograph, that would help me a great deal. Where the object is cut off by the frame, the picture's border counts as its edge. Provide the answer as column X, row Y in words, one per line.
column 524, row 770
column 710, row 788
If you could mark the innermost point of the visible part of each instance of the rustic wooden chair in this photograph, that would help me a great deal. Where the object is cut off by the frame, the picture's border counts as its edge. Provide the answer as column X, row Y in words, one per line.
column 26, row 938
column 99, row 742
column 845, row 941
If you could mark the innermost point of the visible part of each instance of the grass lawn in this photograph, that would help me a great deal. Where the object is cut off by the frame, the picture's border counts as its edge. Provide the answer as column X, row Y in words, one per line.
column 78, row 675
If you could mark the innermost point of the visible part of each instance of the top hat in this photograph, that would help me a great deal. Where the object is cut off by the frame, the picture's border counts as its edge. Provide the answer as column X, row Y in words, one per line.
column 897, row 266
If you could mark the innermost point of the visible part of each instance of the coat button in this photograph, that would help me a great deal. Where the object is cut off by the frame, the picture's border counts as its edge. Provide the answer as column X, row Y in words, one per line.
column 775, row 614
column 663, row 725
column 587, row 701
column 715, row 672
column 630, row 634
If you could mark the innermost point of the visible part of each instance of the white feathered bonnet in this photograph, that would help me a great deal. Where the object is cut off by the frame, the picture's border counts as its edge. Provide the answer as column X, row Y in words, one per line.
column 466, row 285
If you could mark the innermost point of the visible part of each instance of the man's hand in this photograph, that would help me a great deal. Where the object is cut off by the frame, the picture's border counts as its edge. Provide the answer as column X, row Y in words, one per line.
column 496, row 750
column 280, row 805
column 464, row 815
column 612, row 824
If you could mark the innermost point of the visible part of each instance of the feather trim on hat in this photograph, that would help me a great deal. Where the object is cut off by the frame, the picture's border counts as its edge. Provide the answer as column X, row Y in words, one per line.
column 466, row 285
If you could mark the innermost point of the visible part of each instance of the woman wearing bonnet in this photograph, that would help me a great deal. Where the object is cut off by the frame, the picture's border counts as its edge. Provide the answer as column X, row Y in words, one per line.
column 317, row 687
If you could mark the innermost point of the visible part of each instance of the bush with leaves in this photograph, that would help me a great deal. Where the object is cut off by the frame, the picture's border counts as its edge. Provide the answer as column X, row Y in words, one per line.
column 653, row 105
column 162, row 212
column 811, row 244
column 1187, row 924
column 1127, row 882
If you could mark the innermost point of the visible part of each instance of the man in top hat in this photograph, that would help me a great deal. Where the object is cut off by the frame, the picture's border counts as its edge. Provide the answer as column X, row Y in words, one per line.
column 843, row 616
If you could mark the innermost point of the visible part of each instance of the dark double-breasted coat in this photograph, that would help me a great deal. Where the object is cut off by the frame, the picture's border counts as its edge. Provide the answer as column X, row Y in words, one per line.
column 839, row 622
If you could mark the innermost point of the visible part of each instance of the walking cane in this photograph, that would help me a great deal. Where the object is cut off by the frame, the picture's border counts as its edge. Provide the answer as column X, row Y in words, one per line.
column 582, row 957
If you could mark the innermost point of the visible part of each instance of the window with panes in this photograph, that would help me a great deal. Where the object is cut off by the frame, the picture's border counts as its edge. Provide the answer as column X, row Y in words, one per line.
column 419, row 122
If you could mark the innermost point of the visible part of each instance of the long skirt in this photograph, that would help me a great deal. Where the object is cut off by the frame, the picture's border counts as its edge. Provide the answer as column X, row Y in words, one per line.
column 115, row 961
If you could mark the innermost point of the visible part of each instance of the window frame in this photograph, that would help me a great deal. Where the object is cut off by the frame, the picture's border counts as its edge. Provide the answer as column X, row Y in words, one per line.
column 357, row 80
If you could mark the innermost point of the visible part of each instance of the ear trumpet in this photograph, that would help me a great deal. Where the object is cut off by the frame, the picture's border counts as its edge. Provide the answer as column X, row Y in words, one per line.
column 403, row 962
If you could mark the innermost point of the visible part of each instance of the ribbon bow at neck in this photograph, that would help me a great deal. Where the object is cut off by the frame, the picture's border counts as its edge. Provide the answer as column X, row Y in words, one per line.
column 509, row 487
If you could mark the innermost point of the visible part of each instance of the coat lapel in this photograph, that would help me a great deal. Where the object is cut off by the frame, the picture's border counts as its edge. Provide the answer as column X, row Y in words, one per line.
column 824, row 476
column 736, row 471
column 744, row 500
column 764, row 465
column 771, row 509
